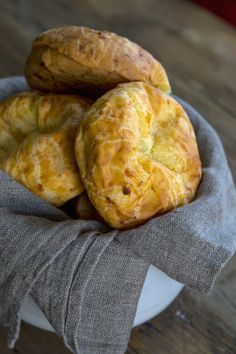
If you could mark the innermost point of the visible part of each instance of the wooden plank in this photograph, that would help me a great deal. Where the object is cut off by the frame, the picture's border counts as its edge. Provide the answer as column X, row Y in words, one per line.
column 34, row 341
column 186, row 327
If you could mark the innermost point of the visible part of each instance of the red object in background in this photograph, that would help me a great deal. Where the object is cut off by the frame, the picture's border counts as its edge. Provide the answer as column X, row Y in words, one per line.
column 225, row 9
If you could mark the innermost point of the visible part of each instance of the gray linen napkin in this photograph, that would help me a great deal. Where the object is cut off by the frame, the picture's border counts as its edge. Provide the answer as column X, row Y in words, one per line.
column 87, row 278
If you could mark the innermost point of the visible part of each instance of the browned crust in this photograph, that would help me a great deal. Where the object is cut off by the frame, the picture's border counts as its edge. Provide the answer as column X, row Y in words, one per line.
column 137, row 154
column 37, row 133
column 74, row 58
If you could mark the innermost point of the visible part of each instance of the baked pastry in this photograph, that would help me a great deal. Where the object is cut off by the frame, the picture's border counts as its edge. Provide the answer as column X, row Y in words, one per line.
column 76, row 59
column 137, row 154
column 84, row 209
column 37, row 134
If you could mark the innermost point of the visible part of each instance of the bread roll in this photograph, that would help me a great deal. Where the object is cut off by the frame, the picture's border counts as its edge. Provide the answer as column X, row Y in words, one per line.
column 80, row 59
column 37, row 134
column 137, row 154
column 84, row 209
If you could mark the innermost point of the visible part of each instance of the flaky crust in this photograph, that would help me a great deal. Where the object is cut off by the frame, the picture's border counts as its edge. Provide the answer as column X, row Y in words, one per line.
column 137, row 154
column 74, row 58
column 37, row 134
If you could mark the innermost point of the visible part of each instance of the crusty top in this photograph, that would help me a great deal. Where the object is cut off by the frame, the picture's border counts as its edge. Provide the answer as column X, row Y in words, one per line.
column 74, row 58
column 137, row 154
column 37, row 135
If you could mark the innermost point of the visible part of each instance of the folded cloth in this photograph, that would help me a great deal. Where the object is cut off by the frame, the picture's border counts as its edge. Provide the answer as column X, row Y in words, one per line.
column 87, row 278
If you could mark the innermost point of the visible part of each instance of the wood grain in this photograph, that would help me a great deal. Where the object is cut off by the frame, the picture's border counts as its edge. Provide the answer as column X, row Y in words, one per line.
column 34, row 341
column 186, row 327
column 199, row 53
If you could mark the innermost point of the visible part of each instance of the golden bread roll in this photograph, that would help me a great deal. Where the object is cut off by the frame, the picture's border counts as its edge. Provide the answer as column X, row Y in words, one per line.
column 37, row 134
column 74, row 58
column 84, row 209
column 137, row 154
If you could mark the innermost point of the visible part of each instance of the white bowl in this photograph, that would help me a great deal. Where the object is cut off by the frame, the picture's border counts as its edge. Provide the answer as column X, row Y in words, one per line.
column 157, row 293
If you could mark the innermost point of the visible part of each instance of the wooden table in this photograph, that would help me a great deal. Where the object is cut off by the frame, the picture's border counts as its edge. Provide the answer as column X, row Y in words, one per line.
column 199, row 53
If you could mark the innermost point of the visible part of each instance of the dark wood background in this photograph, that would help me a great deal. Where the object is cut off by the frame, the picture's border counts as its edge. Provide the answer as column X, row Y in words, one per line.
column 198, row 51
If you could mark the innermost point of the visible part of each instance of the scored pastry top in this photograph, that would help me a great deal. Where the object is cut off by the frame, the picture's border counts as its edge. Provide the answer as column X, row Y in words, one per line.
column 137, row 154
column 37, row 133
